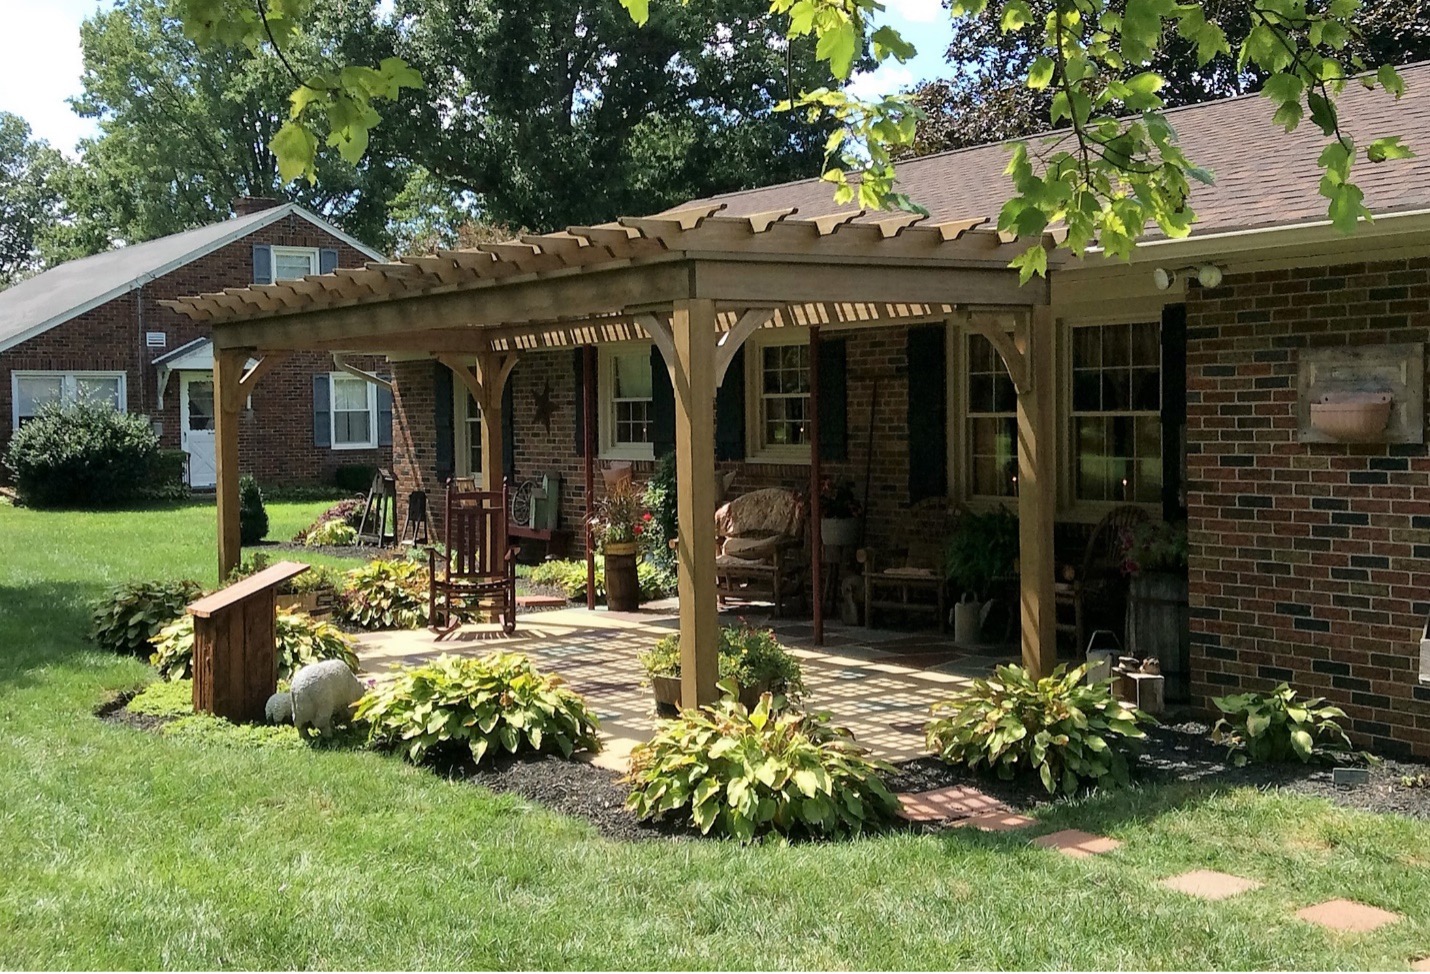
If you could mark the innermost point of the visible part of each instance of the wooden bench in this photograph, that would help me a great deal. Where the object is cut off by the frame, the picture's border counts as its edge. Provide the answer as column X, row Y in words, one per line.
column 558, row 543
column 235, row 651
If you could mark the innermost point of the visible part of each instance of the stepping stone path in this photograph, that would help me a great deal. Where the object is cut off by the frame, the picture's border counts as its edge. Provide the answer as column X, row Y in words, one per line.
column 1347, row 916
column 945, row 804
column 1077, row 843
column 995, row 822
column 1208, row 884
column 1422, row 964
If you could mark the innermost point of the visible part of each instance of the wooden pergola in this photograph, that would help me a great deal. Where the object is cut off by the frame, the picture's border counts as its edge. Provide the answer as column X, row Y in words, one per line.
column 697, row 285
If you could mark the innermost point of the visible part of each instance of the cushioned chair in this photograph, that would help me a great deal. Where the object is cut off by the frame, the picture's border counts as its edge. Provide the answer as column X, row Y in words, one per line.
column 760, row 547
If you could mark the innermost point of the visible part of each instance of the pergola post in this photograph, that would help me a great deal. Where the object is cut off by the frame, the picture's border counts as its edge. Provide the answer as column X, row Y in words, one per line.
column 228, row 400
column 1037, row 490
column 693, row 376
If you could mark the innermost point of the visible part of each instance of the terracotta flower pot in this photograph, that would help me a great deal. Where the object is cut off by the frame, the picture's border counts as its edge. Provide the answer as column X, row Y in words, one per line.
column 1352, row 417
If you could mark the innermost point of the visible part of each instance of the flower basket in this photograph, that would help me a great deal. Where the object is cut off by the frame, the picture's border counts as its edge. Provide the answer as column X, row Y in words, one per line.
column 840, row 531
column 1352, row 417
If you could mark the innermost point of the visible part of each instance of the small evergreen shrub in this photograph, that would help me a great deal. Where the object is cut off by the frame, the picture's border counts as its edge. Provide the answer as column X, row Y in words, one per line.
column 569, row 577
column 130, row 615
column 252, row 515
column 1066, row 731
column 385, row 595
column 82, row 453
column 300, row 640
column 745, row 773
column 499, row 702
column 334, row 533
column 1276, row 726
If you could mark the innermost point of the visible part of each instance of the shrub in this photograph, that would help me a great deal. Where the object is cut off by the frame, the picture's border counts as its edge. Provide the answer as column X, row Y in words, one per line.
column 166, row 475
column 659, row 499
column 349, row 511
column 164, row 698
column 318, row 578
column 749, row 656
column 982, row 548
column 355, row 478
column 332, row 533
column 746, row 773
column 385, row 595
column 1067, row 731
column 82, row 453
column 252, row 515
column 127, row 618
column 497, row 701
column 1276, row 727
column 300, row 640
column 570, row 578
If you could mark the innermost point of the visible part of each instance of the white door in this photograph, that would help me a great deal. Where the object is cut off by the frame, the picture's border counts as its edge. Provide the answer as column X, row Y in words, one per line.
column 196, row 406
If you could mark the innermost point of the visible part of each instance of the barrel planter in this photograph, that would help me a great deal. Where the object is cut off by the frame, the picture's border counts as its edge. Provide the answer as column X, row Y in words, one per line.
column 1158, row 624
column 666, row 690
column 623, row 587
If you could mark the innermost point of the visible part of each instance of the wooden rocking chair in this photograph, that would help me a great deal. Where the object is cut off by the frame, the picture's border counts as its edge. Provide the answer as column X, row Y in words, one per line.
column 476, row 570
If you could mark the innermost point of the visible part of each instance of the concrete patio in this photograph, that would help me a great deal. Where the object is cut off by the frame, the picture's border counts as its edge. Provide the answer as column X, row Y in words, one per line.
column 877, row 683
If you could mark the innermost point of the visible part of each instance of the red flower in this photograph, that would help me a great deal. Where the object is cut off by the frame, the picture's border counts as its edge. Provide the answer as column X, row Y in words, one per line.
column 645, row 516
column 639, row 529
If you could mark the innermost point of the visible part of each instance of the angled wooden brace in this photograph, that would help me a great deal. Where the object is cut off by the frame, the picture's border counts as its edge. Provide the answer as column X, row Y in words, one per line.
column 1010, row 346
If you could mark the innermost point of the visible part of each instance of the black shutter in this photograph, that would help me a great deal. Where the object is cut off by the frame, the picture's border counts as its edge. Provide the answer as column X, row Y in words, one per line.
column 322, row 423
column 327, row 260
column 730, row 410
column 833, row 400
column 927, row 421
column 1174, row 410
column 578, row 367
column 384, row 416
column 262, row 264
column 508, row 431
column 662, row 405
column 442, row 419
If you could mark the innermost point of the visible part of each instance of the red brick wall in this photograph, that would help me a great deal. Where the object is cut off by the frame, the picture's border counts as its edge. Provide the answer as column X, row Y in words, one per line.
column 1308, row 561
column 276, row 437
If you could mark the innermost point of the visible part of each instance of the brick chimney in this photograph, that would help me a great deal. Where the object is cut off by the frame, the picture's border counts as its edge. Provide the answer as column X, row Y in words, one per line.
column 245, row 205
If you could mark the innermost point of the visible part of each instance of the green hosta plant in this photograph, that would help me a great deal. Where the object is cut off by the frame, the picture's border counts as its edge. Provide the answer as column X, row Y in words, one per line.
column 1067, row 731
column 747, row 773
column 300, row 639
column 334, row 532
column 1276, row 726
column 748, row 655
column 499, row 702
column 385, row 595
column 132, row 614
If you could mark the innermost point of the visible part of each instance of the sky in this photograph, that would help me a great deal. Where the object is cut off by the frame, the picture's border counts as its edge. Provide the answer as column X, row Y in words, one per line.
column 40, row 62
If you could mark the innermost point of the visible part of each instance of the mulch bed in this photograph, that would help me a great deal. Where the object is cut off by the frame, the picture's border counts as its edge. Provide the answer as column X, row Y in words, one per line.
column 358, row 552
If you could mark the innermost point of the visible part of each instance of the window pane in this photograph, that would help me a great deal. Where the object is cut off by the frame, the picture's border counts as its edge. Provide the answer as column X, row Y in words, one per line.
column 1117, row 398
column 784, row 385
column 1005, row 397
column 201, row 405
column 1146, row 390
column 288, row 267
column 99, row 389
column 349, row 393
column 1087, row 348
column 1116, row 345
column 352, row 427
column 474, row 436
column 1087, row 391
column 980, row 394
column 37, row 391
column 633, row 375
column 1116, row 393
column 1144, row 344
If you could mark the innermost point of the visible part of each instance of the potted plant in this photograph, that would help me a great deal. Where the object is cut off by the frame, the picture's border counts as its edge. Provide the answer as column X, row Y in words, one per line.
column 982, row 552
column 839, row 513
column 314, row 592
column 617, row 527
column 1155, row 561
column 752, row 657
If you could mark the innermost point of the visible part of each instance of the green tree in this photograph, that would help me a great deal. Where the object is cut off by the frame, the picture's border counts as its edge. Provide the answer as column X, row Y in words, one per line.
column 29, row 197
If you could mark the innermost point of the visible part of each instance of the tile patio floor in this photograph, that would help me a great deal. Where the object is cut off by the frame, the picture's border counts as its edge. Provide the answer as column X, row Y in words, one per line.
column 877, row 683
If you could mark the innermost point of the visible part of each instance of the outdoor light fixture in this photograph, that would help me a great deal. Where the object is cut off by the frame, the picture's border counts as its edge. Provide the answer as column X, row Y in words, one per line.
column 1164, row 278
column 1207, row 275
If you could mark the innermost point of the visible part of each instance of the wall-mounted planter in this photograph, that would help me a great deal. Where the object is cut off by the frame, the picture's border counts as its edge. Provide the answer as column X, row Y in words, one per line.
column 1352, row 417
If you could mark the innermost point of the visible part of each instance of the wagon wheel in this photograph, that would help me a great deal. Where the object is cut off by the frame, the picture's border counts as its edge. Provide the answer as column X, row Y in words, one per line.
column 521, row 499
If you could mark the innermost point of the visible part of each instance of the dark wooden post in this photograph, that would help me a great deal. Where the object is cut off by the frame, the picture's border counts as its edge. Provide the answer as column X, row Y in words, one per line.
column 816, row 507
column 235, row 653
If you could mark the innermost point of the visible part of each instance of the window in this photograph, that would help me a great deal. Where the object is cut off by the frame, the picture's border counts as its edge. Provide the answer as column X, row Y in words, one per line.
column 292, row 263
column 469, row 437
column 991, row 408
column 1116, row 412
column 354, row 412
column 32, row 391
column 626, row 402
column 779, row 407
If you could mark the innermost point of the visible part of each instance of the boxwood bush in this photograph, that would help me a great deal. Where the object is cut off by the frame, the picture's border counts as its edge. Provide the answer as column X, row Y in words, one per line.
column 498, row 702
column 300, row 639
column 1068, row 732
column 130, row 615
column 746, row 773
column 82, row 453
column 252, row 514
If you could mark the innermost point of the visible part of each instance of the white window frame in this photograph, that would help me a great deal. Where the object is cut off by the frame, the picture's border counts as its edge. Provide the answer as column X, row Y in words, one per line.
column 960, row 413
column 609, row 448
column 371, row 389
column 465, row 428
column 311, row 253
column 757, row 450
column 1075, row 507
column 69, row 386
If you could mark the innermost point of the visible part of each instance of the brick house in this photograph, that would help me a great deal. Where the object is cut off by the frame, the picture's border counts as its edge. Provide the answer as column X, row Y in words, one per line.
column 98, row 326
column 1179, row 382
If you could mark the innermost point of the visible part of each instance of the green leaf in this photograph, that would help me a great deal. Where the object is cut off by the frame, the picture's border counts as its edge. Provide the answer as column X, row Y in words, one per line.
column 296, row 150
column 639, row 10
column 1382, row 150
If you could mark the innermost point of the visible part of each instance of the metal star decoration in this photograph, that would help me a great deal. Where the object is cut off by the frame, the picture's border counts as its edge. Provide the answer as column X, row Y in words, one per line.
column 545, row 406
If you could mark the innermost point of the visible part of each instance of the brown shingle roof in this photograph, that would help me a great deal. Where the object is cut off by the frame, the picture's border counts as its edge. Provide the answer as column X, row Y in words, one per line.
column 1264, row 176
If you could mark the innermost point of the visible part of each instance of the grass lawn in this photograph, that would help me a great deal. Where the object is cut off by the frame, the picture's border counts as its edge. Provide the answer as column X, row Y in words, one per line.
column 124, row 849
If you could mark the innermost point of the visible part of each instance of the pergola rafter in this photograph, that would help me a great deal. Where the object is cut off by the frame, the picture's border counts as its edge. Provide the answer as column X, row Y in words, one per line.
column 697, row 284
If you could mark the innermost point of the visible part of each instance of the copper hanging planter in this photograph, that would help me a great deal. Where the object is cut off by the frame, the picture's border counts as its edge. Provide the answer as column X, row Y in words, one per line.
column 1352, row 417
